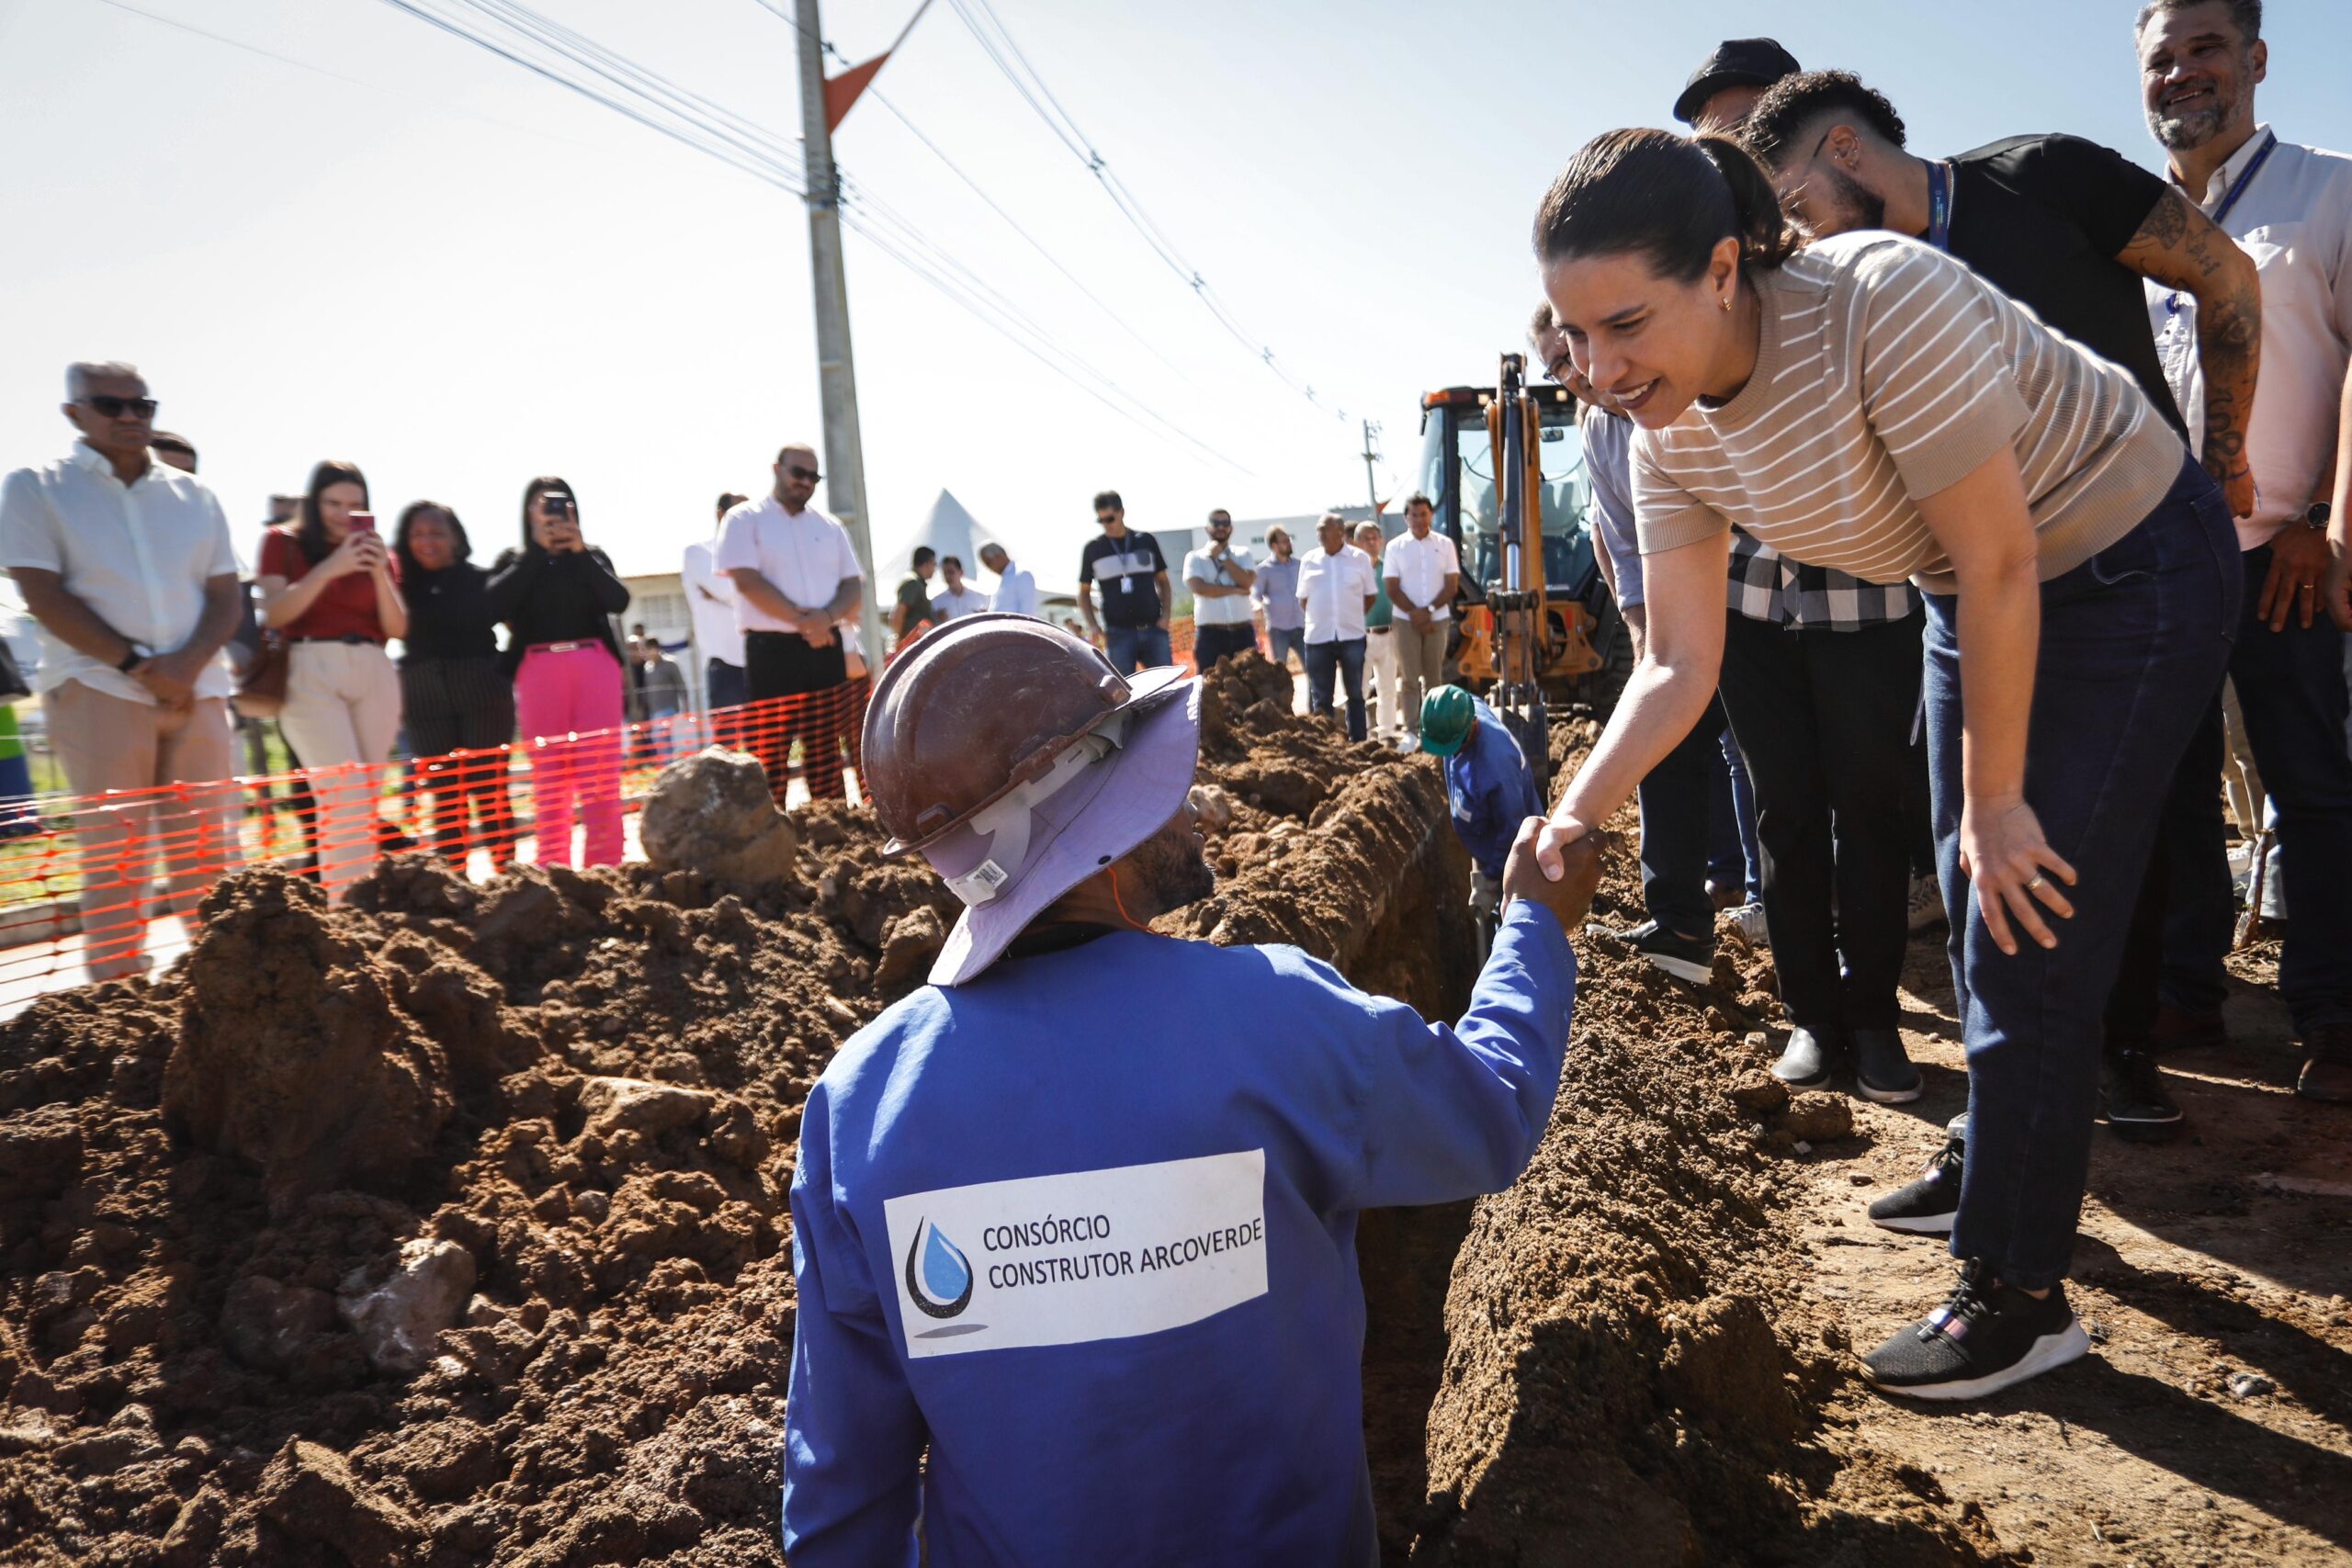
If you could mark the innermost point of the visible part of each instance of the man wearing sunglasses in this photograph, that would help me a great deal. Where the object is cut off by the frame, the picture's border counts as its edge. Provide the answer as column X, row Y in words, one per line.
column 126, row 565
column 797, row 580
column 1133, row 574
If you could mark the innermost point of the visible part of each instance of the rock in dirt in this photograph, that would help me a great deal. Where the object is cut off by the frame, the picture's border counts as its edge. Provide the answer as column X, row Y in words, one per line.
column 399, row 1315
column 1818, row 1117
column 310, row 1492
column 914, row 940
column 2251, row 1385
column 614, row 1105
column 290, row 1053
column 714, row 813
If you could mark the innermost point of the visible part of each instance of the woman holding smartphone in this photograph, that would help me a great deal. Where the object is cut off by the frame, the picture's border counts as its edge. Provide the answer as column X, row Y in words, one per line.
column 326, row 581
column 1872, row 405
column 455, row 694
column 558, row 597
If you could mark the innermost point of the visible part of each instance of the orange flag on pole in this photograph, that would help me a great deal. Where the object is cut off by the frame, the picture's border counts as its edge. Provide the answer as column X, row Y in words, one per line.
column 841, row 92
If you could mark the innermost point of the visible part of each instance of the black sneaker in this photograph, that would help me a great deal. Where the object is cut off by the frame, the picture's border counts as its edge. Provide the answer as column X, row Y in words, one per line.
column 1684, row 958
column 1804, row 1060
column 1927, row 1205
column 1985, row 1337
column 2138, row 1105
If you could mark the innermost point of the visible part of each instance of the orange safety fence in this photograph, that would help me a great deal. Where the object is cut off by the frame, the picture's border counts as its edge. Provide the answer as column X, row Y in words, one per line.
column 95, row 886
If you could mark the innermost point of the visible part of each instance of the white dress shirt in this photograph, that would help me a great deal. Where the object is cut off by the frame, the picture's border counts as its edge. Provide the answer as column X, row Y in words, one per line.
column 1420, row 567
column 1016, row 592
column 968, row 601
column 2295, row 220
column 138, row 555
column 1333, row 587
column 717, row 633
column 1231, row 609
column 805, row 556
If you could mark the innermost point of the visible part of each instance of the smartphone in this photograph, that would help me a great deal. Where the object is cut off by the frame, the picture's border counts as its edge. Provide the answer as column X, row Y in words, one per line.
column 558, row 502
column 365, row 522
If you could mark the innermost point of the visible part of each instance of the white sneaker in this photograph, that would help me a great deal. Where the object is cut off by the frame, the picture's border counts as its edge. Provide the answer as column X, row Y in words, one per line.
column 1409, row 743
column 1747, row 923
column 1926, row 904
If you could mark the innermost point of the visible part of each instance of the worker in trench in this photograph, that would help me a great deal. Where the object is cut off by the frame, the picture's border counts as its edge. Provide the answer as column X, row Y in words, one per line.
column 1078, row 1217
column 1489, row 788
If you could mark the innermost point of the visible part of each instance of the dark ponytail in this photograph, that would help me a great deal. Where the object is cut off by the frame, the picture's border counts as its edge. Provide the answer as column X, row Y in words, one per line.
column 1667, row 198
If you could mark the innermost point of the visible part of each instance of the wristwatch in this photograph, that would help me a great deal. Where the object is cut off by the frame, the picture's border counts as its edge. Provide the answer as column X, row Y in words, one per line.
column 2318, row 513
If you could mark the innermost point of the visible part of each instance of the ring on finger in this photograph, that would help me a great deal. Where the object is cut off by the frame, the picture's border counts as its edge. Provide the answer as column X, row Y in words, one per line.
column 2033, row 881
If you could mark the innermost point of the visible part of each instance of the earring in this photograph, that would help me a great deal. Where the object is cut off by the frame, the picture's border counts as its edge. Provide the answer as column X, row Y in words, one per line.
column 1725, row 303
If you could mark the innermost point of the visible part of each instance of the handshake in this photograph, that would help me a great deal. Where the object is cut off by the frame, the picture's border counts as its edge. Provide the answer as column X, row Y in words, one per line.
column 1571, row 897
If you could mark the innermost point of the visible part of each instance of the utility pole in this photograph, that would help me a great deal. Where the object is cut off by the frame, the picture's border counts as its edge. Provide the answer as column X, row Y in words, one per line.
column 1371, row 456
column 836, row 374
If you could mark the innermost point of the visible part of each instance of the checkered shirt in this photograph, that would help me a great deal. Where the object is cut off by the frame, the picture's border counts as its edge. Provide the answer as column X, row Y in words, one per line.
column 1767, row 586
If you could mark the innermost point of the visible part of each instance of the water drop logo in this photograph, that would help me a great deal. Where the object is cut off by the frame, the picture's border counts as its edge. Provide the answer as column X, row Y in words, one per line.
column 939, row 1277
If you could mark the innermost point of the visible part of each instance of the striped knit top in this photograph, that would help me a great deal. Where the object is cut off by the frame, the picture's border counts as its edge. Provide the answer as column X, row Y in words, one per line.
column 1885, row 371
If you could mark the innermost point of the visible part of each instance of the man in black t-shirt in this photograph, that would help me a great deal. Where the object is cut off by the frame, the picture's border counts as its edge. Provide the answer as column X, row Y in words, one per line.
column 1133, row 577
column 2069, row 229
column 2065, row 227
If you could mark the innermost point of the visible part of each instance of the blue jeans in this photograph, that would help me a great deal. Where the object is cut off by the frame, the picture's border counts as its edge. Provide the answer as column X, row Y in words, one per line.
column 1344, row 656
column 1283, row 641
column 2291, row 688
column 1675, row 802
column 2132, row 640
column 1733, row 857
column 1136, row 647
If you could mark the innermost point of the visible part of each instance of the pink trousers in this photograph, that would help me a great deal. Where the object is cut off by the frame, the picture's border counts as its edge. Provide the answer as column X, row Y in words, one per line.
column 568, row 712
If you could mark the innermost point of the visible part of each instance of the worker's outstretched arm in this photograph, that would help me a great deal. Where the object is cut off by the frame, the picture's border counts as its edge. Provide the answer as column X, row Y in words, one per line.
column 1453, row 1110
column 853, row 1437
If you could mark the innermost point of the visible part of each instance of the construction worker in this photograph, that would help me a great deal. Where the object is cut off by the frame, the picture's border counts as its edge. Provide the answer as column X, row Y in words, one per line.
column 1094, row 1262
column 1487, row 783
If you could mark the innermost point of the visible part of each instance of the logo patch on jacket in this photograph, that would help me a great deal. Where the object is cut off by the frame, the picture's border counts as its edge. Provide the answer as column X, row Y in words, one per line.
column 1066, row 1259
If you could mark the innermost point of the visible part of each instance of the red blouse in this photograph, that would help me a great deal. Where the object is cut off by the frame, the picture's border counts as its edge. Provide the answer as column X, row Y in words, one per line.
column 345, row 607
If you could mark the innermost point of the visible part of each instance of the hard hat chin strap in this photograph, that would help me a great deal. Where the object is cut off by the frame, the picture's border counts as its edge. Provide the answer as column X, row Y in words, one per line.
column 1006, row 824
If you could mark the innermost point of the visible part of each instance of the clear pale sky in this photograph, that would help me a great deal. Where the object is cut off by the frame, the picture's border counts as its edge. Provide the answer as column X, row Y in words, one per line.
column 459, row 275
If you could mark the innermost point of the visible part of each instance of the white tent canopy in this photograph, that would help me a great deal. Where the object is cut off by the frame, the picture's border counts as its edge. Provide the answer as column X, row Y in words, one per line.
column 952, row 530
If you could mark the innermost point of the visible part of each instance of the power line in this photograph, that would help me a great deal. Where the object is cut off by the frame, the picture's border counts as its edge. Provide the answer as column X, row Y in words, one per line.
column 522, row 37
column 1006, row 55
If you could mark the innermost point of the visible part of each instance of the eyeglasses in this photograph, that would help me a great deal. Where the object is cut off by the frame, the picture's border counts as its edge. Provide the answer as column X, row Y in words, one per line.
column 805, row 475
column 1106, row 517
column 113, row 407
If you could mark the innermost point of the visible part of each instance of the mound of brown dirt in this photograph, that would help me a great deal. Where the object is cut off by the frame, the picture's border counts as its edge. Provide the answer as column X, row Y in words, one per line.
column 449, row 1228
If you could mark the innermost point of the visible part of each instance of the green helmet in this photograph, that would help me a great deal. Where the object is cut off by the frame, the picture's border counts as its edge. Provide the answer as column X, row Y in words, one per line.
column 1448, row 716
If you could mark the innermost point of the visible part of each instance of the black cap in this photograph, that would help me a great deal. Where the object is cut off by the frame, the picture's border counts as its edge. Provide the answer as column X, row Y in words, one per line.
column 1736, row 63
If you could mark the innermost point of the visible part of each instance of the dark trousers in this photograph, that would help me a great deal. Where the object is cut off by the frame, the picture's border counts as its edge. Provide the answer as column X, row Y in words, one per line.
column 462, row 706
column 1213, row 643
column 2190, row 852
column 2132, row 641
column 1823, row 718
column 816, row 682
column 1343, row 657
column 2291, row 689
column 725, row 692
column 1678, row 807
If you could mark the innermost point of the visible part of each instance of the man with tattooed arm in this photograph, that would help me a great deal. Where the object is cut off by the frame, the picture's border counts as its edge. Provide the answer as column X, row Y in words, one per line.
column 2076, row 232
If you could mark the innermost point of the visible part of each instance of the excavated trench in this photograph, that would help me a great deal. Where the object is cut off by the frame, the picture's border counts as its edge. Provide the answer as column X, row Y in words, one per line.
column 449, row 1228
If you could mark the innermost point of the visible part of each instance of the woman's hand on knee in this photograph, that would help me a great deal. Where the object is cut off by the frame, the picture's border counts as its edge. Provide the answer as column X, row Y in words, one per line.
column 2016, row 874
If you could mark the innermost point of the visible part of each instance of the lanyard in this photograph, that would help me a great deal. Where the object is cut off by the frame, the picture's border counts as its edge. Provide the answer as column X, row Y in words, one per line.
column 2177, row 302
column 1939, row 206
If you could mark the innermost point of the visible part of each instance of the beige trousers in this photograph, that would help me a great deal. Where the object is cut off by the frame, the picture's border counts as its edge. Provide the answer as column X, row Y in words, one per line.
column 1379, row 679
column 172, row 766
column 342, row 715
column 1421, row 658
